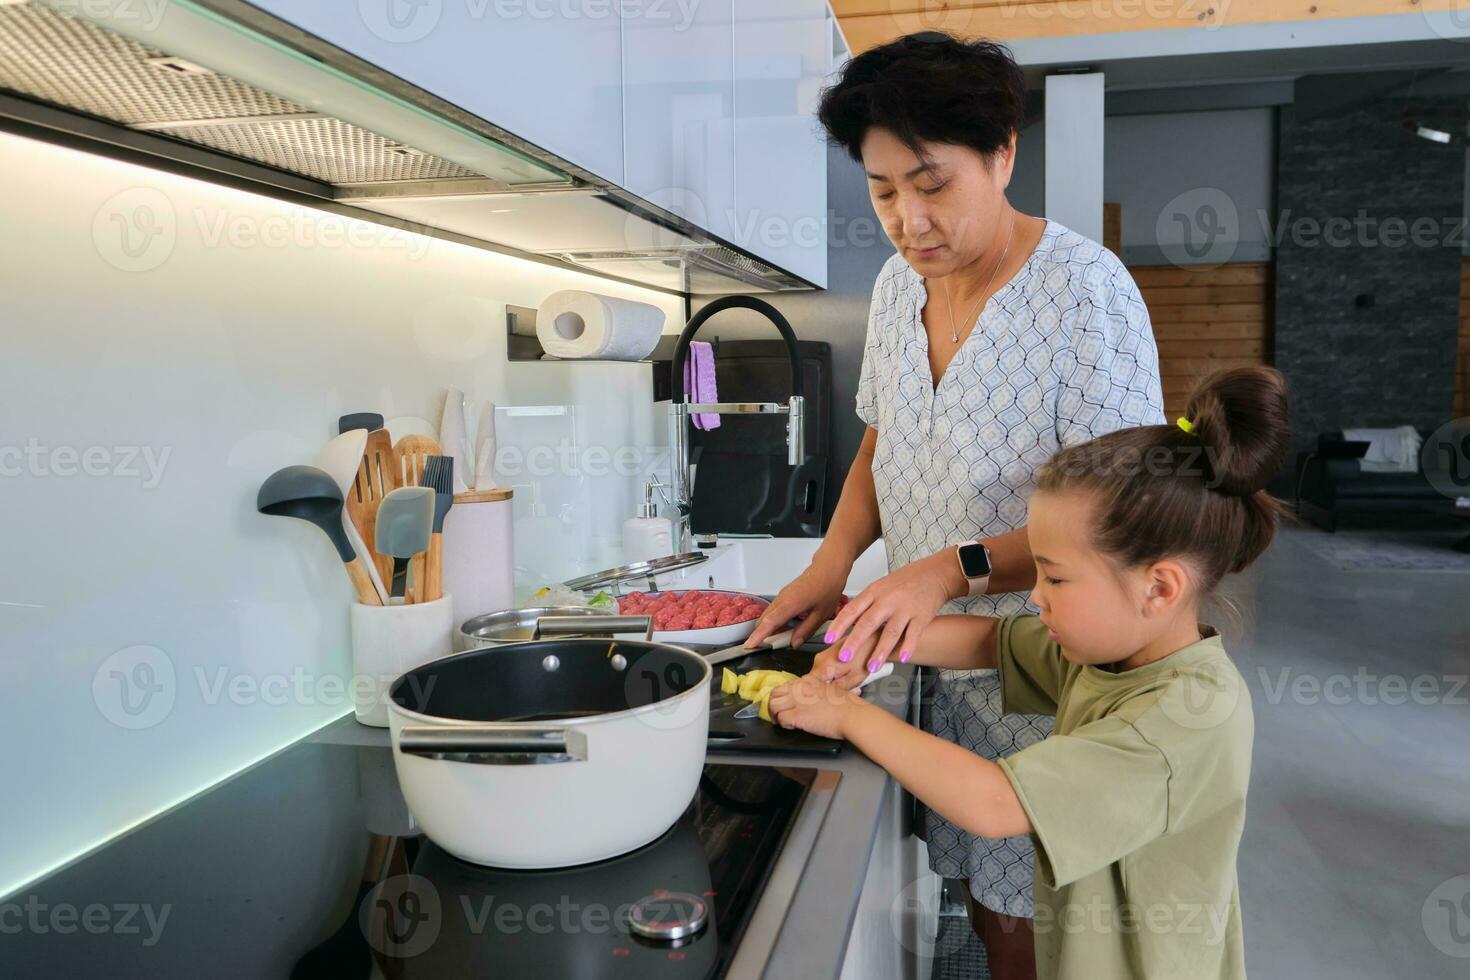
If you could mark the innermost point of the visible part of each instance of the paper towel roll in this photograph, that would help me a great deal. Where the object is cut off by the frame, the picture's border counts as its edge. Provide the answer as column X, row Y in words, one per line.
column 579, row 325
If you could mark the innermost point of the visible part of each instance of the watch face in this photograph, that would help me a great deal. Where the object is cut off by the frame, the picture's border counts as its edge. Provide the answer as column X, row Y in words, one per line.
column 974, row 561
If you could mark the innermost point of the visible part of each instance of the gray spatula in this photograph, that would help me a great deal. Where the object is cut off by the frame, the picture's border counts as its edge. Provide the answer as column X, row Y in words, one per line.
column 405, row 524
column 312, row 495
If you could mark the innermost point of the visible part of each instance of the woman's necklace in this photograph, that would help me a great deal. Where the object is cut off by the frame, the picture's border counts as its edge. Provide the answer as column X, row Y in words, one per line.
column 954, row 332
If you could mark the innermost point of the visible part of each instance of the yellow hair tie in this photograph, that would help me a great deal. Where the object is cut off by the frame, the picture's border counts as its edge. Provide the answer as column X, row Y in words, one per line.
column 1186, row 425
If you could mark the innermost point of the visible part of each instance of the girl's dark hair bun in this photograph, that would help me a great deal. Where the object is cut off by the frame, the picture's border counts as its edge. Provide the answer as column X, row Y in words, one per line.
column 1241, row 417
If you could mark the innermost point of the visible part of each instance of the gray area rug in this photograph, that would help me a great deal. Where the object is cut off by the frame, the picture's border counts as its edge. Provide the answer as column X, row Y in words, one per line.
column 1408, row 550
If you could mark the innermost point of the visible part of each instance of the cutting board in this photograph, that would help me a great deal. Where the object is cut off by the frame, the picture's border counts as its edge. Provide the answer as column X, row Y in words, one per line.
column 754, row 734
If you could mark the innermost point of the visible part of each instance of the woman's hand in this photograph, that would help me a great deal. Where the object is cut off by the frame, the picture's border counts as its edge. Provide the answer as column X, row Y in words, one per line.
column 812, row 595
column 815, row 706
column 895, row 610
column 829, row 667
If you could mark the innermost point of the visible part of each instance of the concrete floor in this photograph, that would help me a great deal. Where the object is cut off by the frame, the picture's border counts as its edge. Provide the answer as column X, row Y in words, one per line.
column 1359, row 812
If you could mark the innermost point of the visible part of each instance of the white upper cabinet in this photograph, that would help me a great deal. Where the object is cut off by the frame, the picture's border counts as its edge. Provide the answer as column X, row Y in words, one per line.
column 782, row 52
column 679, row 108
column 549, row 73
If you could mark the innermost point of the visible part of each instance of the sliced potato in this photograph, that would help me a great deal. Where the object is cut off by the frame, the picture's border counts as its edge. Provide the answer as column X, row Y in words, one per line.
column 751, row 682
column 729, row 681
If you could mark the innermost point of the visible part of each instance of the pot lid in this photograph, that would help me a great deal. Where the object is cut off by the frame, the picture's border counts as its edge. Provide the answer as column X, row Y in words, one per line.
column 637, row 570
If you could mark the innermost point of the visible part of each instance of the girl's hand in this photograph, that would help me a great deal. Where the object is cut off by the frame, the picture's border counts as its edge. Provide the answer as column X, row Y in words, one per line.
column 829, row 667
column 815, row 706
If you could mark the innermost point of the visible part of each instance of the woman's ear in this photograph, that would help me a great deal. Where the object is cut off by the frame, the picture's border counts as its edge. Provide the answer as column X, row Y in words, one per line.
column 1005, row 162
column 1167, row 581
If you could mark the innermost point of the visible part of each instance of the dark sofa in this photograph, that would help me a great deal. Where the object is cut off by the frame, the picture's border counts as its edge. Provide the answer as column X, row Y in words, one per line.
column 1333, row 491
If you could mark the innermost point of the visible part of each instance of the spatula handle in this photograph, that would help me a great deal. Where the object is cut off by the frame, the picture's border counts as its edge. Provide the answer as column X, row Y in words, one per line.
column 367, row 593
column 434, row 579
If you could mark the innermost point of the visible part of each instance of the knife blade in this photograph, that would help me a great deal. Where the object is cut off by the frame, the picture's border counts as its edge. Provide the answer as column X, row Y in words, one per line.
column 779, row 641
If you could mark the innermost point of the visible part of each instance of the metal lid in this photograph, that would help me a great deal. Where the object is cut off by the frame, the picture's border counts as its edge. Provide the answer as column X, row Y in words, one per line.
column 640, row 569
column 669, row 915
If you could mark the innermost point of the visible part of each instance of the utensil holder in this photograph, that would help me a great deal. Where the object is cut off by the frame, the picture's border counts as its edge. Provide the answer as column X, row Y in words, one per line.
column 479, row 565
column 389, row 641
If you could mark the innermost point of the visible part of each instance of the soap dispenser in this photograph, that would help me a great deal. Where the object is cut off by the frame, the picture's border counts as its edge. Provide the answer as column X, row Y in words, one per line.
column 648, row 536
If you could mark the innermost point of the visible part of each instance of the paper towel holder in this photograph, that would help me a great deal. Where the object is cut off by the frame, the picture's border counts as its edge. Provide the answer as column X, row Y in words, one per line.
column 521, row 342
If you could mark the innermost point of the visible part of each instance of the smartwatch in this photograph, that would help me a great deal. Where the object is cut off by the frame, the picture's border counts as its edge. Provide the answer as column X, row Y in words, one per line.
column 975, row 565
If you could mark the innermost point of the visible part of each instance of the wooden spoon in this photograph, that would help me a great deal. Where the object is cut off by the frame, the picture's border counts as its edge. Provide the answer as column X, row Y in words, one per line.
column 378, row 476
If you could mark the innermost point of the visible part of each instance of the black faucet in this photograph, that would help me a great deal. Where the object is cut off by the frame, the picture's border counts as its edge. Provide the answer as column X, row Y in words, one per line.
column 681, row 408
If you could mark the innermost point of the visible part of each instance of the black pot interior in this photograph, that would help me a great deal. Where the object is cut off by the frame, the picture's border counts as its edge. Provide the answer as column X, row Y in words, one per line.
column 513, row 683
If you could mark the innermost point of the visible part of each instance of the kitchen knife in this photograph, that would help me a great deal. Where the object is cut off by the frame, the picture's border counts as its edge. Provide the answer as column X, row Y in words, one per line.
column 779, row 641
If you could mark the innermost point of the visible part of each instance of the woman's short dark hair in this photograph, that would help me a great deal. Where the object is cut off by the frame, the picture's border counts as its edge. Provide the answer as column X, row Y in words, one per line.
column 927, row 88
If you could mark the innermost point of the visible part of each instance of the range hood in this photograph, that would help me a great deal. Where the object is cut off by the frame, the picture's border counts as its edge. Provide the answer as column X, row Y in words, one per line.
column 177, row 80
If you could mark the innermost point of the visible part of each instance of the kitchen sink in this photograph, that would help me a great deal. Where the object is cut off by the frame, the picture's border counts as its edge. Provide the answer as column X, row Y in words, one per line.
column 765, row 565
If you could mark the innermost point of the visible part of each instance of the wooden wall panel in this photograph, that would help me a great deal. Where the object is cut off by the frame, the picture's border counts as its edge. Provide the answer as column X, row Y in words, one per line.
column 867, row 23
column 1206, row 320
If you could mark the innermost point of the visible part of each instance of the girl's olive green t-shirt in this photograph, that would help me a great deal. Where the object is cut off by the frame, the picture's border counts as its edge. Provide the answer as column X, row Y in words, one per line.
column 1137, row 803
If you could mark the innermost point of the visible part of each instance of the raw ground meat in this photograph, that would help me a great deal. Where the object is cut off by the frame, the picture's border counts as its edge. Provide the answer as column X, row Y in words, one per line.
column 692, row 610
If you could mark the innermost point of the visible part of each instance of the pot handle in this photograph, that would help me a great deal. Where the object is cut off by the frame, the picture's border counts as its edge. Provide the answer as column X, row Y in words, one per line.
column 584, row 625
column 511, row 745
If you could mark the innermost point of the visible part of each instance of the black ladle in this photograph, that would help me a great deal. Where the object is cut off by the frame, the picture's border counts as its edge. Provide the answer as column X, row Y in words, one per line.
column 312, row 495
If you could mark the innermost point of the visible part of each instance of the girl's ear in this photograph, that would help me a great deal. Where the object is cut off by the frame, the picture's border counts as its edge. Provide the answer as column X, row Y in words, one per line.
column 1167, row 582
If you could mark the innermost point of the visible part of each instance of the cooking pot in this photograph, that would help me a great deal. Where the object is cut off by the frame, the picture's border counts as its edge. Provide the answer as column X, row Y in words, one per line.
column 511, row 625
column 552, row 752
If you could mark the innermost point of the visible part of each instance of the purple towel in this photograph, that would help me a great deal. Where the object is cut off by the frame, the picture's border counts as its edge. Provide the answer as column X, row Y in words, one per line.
column 699, row 382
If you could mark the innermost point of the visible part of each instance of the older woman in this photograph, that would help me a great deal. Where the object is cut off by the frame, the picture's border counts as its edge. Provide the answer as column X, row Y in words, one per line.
column 994, row 338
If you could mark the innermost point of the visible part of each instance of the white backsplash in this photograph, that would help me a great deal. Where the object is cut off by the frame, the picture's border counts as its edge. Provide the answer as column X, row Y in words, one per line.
column 168, row 344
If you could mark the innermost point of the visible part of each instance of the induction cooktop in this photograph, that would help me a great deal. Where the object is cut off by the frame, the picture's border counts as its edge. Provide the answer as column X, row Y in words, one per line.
column 309, row 866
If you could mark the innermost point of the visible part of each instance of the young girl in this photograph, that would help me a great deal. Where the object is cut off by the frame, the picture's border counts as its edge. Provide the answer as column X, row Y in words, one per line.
column 1137, row 802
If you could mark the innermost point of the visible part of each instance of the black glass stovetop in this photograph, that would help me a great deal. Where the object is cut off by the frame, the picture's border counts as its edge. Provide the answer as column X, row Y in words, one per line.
column 309, row 866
